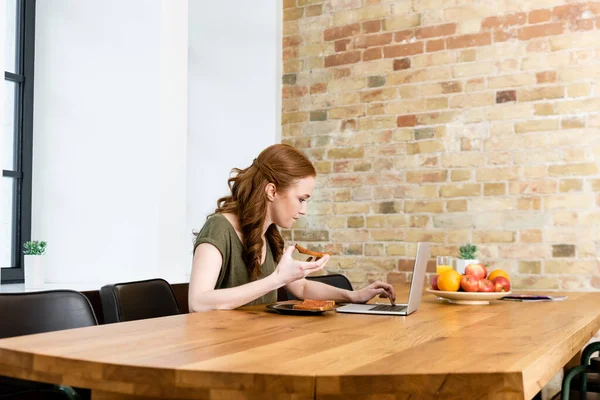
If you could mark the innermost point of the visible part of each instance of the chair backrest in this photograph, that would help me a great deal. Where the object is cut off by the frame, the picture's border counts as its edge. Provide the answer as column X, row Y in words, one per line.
column 47, row 311
column 336, row 280
column 130, row 301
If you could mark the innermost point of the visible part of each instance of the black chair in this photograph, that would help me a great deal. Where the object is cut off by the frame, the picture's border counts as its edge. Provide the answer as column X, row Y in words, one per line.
column 39, row 312
column 586, row 376
column 337, row 280
column 131, row 301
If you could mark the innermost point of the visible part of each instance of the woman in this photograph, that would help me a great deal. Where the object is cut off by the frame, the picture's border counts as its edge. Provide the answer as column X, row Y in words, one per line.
column 239, row 256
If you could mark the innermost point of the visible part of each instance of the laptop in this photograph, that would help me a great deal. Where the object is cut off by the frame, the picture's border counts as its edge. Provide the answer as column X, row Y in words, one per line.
column 414, row 298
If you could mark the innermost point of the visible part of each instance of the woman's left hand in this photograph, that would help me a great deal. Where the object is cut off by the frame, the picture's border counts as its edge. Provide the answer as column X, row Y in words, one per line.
column 377, row 288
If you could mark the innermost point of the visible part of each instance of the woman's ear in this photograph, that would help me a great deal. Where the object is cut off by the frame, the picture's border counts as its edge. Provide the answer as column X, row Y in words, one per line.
column 270, row 191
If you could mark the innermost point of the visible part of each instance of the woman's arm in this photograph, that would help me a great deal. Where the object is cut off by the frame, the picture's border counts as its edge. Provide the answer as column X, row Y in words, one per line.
column 307, row 289
column 205, row 271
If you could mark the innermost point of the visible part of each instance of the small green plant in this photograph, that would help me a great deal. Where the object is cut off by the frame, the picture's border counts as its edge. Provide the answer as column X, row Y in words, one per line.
column 467, row 252
column 34, row 248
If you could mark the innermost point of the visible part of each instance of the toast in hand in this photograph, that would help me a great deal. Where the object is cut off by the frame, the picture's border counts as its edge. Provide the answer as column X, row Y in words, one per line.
column 316, row 254
column 315, row 305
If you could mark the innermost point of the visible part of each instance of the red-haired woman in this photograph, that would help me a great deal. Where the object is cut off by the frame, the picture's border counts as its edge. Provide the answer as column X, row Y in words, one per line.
column 239, row 256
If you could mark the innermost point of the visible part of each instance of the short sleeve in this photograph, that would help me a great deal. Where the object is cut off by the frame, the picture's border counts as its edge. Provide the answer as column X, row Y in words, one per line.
column 216, row 231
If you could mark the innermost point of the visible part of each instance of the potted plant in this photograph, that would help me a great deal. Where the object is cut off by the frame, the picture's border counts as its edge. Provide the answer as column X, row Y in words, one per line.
column 34, row 268
column 467, row 254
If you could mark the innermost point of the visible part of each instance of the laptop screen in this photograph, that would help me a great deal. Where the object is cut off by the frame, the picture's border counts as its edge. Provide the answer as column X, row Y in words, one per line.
column 418, row 276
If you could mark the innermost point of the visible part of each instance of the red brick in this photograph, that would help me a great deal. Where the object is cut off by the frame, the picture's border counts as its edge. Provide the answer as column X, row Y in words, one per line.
column 583, row 25
column 372, row 54
column 289, row 53
column 342, row 44
column 569, row 12
column 502, row 36
column 504, row 20
column 318, row 88
column 472, row 40
column 530, row 32
column 371, row 26
column 435, row 31
column 406, row 120
column 372, row 40
column 435, row 45
column 537, row 16
column 349, row 57
column 341, row 32
column 291, row 41
column 545, row 77
column 404, row 35
column 505, row 96
column 288, row 92
column 403, row 50
column 402, row 63
column 349, row 125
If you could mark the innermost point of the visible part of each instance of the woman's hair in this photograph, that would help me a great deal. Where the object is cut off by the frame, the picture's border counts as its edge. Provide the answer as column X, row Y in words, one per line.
column 280, row 164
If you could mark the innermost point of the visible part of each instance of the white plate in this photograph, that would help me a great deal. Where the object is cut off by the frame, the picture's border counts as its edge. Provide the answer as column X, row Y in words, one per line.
column 473, row 298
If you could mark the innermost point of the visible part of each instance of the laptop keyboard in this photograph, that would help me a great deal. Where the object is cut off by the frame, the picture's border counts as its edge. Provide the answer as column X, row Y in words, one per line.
column 388, row 308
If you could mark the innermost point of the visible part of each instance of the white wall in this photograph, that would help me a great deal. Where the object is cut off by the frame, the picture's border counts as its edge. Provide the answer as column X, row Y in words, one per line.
column 234, row 94
column 125, row 164
column 99, row 188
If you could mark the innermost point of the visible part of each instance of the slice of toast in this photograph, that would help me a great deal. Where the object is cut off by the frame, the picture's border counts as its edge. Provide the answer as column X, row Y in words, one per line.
column 315, row 305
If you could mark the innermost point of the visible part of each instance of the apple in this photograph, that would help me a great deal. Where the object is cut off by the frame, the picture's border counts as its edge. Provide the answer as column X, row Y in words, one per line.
column 501, row 284
column 477, row 270
column 434, row 285
column 485, row 285
column 469, row 283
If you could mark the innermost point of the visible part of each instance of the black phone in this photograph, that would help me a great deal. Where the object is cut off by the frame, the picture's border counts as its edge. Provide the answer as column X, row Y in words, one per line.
column 531, row 297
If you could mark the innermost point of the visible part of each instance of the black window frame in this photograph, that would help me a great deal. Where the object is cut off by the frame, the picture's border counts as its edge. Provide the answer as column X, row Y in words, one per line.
column 23, row 142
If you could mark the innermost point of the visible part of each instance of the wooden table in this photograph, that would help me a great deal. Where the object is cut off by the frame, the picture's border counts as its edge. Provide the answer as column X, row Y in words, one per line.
column 505, row 350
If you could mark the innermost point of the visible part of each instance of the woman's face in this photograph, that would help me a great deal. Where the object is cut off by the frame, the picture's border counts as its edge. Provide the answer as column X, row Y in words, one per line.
column 287, row 206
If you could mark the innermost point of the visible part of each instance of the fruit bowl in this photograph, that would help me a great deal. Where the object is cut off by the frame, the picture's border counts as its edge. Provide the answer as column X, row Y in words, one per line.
column 470, row 298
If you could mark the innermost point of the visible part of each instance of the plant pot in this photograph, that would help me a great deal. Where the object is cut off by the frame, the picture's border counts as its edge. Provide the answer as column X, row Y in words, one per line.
column 34, row 272
column 462, row 264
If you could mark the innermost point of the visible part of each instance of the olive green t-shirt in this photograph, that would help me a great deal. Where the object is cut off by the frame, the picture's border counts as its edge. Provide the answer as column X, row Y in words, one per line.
column 219, row 232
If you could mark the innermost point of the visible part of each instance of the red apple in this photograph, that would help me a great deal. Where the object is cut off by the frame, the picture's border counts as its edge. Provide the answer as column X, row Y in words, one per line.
column 501, row 284
column 469, row 283
column 434, row 285
column 477, row 270
column 485, row 285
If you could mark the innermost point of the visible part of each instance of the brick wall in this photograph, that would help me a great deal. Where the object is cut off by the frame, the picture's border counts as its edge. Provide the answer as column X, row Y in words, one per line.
column 449, row 121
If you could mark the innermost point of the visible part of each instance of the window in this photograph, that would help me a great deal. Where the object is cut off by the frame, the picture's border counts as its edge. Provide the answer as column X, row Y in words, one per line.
column 16, row 146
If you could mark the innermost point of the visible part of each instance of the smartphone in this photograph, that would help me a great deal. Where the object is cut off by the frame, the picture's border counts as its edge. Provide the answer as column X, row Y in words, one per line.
column 531, row 297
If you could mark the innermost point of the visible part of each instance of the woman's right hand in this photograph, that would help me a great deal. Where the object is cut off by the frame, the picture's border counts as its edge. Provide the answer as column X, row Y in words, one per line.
column 289, row 270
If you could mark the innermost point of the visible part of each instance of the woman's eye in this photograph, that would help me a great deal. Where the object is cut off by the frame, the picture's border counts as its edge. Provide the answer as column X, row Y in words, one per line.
column 302, row 200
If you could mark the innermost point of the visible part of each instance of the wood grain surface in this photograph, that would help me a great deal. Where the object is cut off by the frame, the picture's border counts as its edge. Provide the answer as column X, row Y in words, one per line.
column 505, row 350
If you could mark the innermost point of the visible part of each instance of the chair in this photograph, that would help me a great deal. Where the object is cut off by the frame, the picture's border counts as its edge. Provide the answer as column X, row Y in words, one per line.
column 39, row 312
column 336, row 280
column 586, row 375
column 131, row 301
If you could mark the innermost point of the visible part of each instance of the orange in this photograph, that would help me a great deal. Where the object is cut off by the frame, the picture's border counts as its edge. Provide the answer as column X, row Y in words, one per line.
column 449, row 281
column 498, row 272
